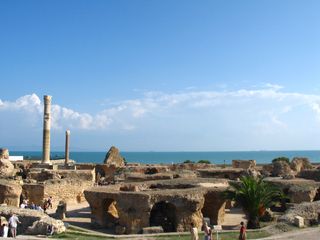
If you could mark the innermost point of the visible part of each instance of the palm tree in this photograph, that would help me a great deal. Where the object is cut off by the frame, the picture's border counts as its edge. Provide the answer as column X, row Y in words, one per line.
column 254, row 195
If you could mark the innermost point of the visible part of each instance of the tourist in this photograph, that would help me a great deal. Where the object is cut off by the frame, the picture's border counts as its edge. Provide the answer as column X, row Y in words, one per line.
column 13, row 224
column 4, row 230
column 50, row 230
column 243, row 234
column 32, row 206
column 207, row 231
column 49, row 201
column 194, row 232
column 22, row 205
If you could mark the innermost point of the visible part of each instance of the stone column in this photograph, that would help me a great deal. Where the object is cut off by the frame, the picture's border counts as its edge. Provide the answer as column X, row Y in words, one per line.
column 67, row 148
column 46, row 129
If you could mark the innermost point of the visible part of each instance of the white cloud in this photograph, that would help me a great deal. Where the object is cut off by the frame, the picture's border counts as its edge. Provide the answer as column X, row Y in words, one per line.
column 131, row 113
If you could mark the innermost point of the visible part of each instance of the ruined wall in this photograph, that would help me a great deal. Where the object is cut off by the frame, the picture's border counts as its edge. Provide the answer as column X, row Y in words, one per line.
column 69, row 190
column 34, row 193
column 244, row 164
column 10, row 192
column 214, row 207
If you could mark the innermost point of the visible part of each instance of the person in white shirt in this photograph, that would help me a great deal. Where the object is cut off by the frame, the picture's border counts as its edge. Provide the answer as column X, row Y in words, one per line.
column 13, row 224
column 194, row 232
column 5, row 230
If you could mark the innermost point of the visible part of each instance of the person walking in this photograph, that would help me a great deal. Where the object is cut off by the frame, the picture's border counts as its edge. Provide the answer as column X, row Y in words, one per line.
column 13, row 224
column 243, row 232
column 207, row 231
column 194, row 232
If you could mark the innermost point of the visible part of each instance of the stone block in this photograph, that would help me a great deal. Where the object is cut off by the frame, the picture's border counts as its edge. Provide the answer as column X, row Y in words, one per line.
column 299, row 221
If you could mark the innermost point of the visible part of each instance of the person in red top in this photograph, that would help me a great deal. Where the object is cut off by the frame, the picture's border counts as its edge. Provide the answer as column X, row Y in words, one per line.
column 243, row 234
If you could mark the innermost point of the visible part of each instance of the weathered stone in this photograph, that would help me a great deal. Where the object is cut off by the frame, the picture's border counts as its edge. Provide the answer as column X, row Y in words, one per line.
column 10, row 192
column 313, row 174
column 281, row 168
column 61, row 210
column 172, row 204
column 32, row 221
column 304, row 193
column 244, row 164
column 4, row 153
column 267, row 216
column 6, row 168
column 289, row 176
column 145, row 177
column 120, row 230
column 297, row 190
column 299, row 221
column 299, row 164
column 229, row 173
column 150, row 230
column 308, row 211
column 252, row 172
column 113, row 157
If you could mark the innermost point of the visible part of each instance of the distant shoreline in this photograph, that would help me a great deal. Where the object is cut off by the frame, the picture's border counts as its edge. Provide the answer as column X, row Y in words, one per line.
column 262, row 157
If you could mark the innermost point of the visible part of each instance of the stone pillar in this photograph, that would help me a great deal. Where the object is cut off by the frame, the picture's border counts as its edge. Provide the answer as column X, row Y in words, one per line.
column 46, row 129
column 67, row 148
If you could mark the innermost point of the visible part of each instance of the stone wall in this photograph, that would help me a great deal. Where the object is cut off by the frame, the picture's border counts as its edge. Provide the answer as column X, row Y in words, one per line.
column 244, row 164
column 68, row 190
column 229, row 173
column 10, row 192
column 42, row 175
column 34, row 193
column 313, row 174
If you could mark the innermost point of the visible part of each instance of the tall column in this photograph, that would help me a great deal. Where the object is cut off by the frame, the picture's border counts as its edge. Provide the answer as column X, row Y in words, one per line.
column 46, row 129
column 66, row 161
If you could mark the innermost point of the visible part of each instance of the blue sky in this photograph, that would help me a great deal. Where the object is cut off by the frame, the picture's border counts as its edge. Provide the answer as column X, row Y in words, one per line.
column 162, row 75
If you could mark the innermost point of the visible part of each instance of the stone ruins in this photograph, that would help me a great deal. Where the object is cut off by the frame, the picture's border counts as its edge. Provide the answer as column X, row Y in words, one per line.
column 128, row 198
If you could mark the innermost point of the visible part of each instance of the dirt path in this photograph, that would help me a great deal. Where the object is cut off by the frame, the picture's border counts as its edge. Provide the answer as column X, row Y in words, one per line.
column 304, row 234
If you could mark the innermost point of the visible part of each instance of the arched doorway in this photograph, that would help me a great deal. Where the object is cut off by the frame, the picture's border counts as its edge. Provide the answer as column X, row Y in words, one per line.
column 111, row 213
column 164, row 214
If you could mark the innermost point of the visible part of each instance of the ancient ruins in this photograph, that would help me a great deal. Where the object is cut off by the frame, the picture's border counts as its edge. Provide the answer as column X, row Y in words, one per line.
column 128, row 198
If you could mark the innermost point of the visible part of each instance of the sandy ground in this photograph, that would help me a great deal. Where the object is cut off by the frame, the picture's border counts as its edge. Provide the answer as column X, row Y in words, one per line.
column 232, row 218
column 304, row 234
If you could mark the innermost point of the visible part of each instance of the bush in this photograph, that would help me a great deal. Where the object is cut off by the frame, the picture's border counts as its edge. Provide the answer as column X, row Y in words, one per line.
column 204, row 161
column 281, row 159
column 188, row 161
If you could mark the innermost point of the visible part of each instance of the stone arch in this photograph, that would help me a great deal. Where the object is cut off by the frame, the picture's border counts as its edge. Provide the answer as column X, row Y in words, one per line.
column 317, row 197
column 164, row 214
column 214, row 207
column 111, row 215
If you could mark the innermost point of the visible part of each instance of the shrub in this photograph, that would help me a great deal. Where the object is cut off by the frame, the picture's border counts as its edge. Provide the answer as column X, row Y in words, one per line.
column 281, row 159
column 188, row 161
column 204, row 161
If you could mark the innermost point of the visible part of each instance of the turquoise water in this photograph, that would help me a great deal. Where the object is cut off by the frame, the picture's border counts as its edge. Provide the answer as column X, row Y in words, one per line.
column 178, row 157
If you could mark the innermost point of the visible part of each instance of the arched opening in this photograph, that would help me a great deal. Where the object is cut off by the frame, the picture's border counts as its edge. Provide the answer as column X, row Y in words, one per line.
column 111, row 213
column 317, row 197
column 214, row 207
column 164, row 214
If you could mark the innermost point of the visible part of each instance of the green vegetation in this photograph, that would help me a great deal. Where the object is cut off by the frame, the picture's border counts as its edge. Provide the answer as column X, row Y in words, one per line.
column 200, row 161
column 281, row 159
column 255, row 196
column 224, row 235
column 188, row 161
column 204, row 161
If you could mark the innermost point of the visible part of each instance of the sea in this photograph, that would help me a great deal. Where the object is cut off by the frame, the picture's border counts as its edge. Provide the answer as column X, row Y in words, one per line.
column 177, row 157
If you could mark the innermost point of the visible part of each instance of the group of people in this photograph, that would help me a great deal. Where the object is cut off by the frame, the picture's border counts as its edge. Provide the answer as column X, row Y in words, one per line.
column 47, row 204
column 11, row 225
column 208, row 231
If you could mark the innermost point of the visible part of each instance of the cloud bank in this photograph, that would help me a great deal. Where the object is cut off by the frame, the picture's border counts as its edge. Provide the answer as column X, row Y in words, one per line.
column 268, row 112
